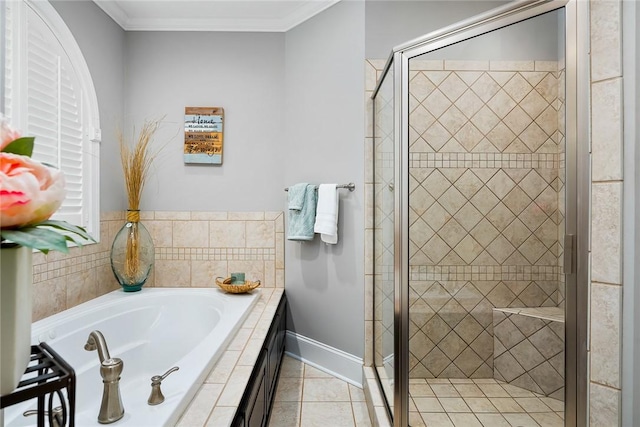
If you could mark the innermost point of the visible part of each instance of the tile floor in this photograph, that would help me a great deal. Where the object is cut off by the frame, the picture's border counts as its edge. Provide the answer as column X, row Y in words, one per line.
column 480, row 403
column 308, row 397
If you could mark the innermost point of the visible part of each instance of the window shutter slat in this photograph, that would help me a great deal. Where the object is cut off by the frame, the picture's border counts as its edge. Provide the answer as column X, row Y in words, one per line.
column 44, row 84
column 71, row 139
column 9, row 62
column 54, row 114
column 42, row 92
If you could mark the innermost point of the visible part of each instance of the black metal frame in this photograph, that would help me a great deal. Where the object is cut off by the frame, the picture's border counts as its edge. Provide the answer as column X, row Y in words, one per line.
column 47, row 376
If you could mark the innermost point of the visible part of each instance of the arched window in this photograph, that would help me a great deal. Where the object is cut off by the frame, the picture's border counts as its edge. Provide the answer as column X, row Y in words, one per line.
column 48, row 93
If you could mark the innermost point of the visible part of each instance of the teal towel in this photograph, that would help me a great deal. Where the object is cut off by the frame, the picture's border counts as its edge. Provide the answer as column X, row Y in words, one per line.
column 302, row 211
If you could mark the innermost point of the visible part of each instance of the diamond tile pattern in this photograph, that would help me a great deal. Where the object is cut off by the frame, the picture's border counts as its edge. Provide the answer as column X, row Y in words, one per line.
column 529, row 352
column 506, row 107
column 503, row 217
column 455, row 318
column 469, row 217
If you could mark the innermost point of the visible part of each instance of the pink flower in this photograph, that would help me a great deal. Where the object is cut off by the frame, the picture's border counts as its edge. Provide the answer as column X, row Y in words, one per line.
column 7, row 133
column 29, row 191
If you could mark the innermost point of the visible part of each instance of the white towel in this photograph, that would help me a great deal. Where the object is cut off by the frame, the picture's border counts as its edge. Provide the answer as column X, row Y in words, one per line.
column 327, row 213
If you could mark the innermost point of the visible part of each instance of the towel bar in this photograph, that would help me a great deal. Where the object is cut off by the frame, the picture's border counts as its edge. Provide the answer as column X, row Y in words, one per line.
column 350, row 186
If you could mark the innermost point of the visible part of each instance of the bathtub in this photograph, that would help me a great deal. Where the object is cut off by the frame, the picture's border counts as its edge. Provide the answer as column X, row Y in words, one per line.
column 151, row 331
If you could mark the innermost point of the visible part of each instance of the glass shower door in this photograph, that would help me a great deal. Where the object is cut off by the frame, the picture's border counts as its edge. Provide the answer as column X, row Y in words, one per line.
column 486, row 228
column 384, row 228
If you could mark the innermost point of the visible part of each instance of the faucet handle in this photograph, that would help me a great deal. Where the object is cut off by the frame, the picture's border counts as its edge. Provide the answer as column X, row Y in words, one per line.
column 156, row 397
column 56, row 418
column 159, row 378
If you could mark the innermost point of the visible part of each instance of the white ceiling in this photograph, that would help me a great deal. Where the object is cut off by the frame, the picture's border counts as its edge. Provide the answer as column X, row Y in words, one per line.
column 212, row 15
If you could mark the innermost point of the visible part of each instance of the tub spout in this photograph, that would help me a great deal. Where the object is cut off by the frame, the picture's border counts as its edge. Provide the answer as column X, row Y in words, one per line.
column 96, row 341
column 111, row 409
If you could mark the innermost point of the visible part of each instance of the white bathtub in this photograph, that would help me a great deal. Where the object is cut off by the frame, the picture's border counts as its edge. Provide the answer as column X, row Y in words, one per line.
column 151, row 331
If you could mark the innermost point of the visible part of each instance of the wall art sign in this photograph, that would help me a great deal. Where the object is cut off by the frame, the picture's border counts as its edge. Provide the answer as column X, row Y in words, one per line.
column 203, row 135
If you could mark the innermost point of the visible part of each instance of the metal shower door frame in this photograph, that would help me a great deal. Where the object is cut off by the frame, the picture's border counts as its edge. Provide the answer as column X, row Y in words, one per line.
column 576, row 187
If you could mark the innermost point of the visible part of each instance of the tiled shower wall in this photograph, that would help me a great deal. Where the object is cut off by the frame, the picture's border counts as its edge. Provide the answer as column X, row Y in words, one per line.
column 486, row 185
column 484, row 189
column 192, row 249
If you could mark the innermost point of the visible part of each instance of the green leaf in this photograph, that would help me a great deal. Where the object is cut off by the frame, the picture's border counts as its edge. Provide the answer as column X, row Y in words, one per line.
column 63, row 225
column 22, row 146
column 37, row 238
column 75, row 239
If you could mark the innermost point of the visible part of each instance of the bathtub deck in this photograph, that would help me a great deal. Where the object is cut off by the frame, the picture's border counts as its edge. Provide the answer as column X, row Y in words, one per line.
column 216, row 402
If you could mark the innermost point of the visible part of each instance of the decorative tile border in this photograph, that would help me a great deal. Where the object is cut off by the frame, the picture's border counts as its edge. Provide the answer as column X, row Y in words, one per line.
column 216, row 254
column 487, row 160
column 68, row 266
column 484, row 272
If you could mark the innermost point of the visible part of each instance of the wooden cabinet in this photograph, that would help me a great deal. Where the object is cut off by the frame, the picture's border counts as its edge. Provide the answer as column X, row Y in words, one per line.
column 255, row 407
column 255, row 410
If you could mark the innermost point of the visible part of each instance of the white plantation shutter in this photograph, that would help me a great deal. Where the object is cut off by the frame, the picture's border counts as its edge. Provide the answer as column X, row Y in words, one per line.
column 42, row 91
column 53, row 99
column 8, row 61
column 71, row 143
column 54, row 112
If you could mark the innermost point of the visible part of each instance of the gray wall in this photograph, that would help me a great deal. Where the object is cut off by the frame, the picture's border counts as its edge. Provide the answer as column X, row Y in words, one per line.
column 533, row 39
column 390, row 23
column 324, row 93
column 102, row 42
column 241, row 72
column 151, row 74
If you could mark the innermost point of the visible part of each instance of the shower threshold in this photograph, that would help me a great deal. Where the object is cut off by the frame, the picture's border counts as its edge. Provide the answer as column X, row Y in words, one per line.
column 479, row 403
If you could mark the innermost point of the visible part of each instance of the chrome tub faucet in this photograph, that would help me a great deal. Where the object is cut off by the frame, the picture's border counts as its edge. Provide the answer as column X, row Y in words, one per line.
column 111, row 409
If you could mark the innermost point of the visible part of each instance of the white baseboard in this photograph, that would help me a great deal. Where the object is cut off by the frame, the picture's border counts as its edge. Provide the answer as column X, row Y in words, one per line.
column 336, row 362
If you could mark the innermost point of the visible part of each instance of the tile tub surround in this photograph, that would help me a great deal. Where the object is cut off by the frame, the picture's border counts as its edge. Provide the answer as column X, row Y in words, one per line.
column 529, row 349
column 217, row 400
column 62, row 281
column 192, row 249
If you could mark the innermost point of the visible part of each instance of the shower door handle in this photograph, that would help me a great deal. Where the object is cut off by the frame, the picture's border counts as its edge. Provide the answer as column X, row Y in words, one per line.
column 569, row 240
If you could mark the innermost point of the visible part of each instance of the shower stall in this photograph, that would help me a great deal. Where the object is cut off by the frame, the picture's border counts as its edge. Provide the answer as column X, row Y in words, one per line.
column 478, row 250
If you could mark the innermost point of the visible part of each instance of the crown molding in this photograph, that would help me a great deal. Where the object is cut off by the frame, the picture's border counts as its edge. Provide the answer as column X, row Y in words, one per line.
column 305, row 11
column 308, row 10
column 114, row 10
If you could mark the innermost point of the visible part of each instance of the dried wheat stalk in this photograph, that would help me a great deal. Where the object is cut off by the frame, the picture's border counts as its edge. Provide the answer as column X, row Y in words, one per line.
column 136, row 161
